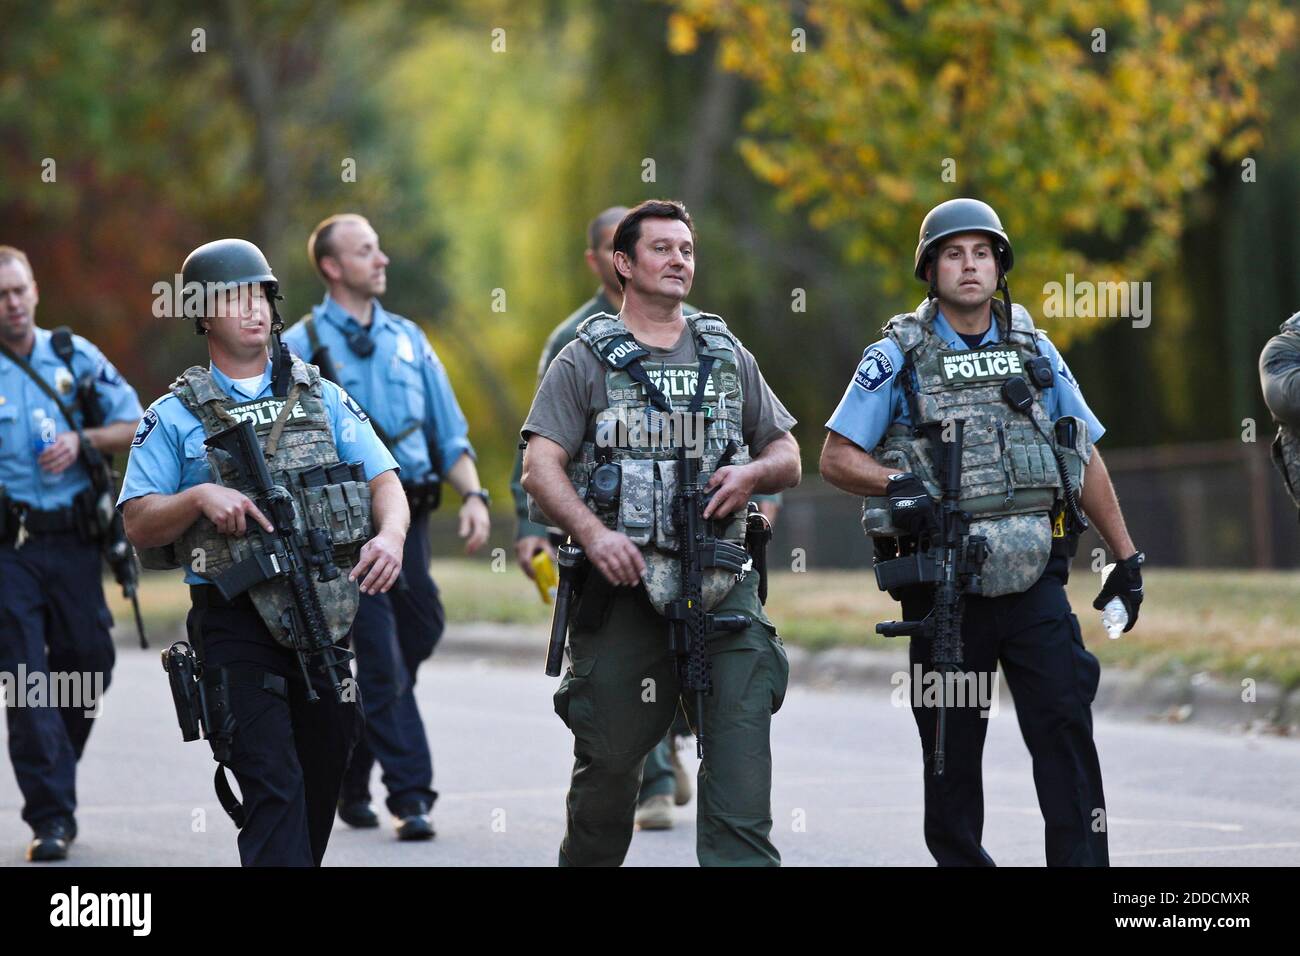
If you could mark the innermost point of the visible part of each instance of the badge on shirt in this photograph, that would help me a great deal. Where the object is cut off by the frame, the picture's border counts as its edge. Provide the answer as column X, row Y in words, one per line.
column 874, row 371
column 979, row 365
column 405, row 351
column 147, row 425
column 63, row 381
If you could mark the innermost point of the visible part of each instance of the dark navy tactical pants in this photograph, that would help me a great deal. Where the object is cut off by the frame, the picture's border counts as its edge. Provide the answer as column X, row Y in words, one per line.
column 393, row 634
column 52, row 619
column 288, row 754
column 1052, row 679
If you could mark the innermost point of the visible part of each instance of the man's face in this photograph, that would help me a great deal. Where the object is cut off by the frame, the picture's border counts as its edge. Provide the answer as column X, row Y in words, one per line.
column 665, row 260
column 18, row 298
column 601, row 259
column 967, row 269
column 357, row 262
column 239, row 317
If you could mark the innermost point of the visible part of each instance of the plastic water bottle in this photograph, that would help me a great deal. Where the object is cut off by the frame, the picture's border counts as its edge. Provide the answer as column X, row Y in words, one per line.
column 44, row 432
column 1113, row 616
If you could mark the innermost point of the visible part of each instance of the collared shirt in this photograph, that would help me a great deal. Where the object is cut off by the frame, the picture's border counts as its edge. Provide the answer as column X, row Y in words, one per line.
column 402, row 383
column 168, row 454
column 874, row 399
column 24, row 407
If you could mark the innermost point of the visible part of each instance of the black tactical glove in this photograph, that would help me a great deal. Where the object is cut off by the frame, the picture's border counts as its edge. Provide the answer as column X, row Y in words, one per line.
column 911, row 509
column 1125, row 583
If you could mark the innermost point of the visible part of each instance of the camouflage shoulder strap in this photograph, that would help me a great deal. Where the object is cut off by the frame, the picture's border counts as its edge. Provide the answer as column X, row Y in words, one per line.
column 616, row 348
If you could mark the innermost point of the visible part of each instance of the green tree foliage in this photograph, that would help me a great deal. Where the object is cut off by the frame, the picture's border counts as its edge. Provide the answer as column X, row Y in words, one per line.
column 1088, row 152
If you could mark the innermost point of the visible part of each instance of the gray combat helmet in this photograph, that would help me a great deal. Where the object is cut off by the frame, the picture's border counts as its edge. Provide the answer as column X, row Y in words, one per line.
column 955, row 217
column 232, row 261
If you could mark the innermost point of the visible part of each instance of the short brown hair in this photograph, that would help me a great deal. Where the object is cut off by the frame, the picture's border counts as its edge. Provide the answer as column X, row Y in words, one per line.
column 13, row 254
column 629, row 230
column 318, row 243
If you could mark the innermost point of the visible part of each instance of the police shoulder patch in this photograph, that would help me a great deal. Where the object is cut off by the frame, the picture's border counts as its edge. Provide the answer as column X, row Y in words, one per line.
column 108, row 374
column 147, row 424
column 350, row 404
column 1064, row 370
column 874, row 371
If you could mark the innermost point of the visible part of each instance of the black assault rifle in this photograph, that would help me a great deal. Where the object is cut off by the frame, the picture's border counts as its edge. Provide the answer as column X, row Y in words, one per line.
column 949, row 559
column 698, row 550
column 284, row 553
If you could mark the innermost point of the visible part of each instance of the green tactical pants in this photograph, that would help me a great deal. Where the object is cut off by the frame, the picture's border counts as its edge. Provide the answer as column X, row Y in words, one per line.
column 619, row 697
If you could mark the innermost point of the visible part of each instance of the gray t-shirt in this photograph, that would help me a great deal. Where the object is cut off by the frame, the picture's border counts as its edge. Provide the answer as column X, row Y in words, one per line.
column 573, row 393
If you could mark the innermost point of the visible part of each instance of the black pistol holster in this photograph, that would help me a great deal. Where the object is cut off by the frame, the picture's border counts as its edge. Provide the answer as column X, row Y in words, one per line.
column 202, row 700
column 758, row 532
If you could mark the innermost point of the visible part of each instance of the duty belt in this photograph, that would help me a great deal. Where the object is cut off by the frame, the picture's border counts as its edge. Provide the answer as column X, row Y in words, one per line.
column 206, row 595
column 23, row 521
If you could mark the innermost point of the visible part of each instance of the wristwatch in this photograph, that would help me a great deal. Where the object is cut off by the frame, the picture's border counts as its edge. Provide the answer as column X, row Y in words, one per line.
column 480, row 493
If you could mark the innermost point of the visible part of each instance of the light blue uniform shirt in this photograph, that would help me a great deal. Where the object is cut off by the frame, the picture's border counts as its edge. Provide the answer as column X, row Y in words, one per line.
column 402, row 383
column 874, row 400
column 168, row 454
column 23, row 407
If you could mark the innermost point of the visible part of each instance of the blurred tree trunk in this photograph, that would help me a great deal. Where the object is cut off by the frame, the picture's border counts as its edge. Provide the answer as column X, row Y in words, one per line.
column 256, row 84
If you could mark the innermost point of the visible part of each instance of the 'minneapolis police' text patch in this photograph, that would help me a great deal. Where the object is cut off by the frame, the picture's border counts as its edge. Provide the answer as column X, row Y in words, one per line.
column 874, row 370
column 979, row 365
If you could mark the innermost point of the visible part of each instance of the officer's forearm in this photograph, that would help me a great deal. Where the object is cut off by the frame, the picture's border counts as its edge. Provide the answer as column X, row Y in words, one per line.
column 156, row 520
column 777, row 466
column 464, row 475
column 1102, row 508
column 391, row 513
column 546, row 481
column 113, row 438
column 849, row 468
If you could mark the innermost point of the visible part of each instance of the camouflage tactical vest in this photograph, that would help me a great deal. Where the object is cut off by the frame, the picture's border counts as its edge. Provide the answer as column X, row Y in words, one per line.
column 639, row 438
column 296, row 438
column 1010, row 481
column 1286, row 444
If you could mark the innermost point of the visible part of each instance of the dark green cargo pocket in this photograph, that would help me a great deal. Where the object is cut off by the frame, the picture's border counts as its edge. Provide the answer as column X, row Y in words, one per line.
column 780, row 667
column 572, row 697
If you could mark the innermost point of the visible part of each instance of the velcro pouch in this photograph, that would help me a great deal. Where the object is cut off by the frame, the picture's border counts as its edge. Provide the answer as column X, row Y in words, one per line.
column 665, row 491
column 636, row 506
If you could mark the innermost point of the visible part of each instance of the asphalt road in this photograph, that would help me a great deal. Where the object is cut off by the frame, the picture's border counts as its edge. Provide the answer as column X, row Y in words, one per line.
column 847, row 788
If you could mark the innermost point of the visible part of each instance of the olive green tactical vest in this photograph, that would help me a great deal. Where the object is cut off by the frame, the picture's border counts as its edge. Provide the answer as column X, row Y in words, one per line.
column 1010, row 481
column 639, row 438
column 302, row 440
column 1286, row 444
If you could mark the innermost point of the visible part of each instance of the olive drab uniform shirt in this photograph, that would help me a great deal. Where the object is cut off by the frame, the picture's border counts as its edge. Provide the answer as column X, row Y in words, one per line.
column 586, row 405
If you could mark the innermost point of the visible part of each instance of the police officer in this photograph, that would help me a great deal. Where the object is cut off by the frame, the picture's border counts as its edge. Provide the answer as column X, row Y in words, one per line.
column 388, row 366
column 286, row 750
column 53, row 618
column 952, row 358
column 664, row 780
column 621, row 690
column 1279, row 377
